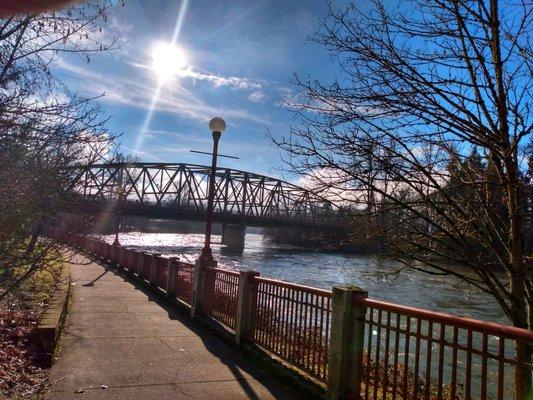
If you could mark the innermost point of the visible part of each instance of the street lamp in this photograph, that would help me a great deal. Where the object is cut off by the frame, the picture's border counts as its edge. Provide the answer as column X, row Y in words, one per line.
column 120, row 192
column 217, row 125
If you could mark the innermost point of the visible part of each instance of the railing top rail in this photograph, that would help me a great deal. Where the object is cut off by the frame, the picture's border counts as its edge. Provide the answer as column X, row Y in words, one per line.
column 289, row 285
column 490, row 328
column 184, row 263
column 222, row 270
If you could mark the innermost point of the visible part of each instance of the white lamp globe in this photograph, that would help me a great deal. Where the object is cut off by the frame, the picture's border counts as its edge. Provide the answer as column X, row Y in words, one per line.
column 217, row 124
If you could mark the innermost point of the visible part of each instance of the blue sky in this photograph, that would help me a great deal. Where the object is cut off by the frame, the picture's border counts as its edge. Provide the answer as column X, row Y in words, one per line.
column 240, row 58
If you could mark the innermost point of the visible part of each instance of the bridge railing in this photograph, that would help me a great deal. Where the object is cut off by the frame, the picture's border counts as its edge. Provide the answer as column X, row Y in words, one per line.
column 391, row 351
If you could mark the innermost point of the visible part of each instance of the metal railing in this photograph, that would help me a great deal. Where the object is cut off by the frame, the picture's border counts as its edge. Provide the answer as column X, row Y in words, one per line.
column 223, row 285
column 183, row 282
column 293, row 322
column 415, row 353
column 405, row 352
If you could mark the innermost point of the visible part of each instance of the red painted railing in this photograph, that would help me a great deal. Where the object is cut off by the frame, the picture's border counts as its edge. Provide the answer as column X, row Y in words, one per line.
column 415, row 353
column 293, row 322
column 408, row 353
column 223, row 287
column 183, row 281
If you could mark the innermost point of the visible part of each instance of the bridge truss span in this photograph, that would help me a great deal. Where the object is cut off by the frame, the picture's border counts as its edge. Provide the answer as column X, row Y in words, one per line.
column 180, row 191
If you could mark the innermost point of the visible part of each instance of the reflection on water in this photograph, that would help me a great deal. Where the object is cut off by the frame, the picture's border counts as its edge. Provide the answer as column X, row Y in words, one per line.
column 326, row 269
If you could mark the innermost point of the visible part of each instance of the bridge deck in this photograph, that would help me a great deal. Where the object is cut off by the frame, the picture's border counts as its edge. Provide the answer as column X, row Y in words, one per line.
column 121, row 337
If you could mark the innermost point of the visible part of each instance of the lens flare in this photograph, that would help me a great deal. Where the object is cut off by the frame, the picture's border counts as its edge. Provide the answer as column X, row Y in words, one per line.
column 157, row 92
column 167, row 61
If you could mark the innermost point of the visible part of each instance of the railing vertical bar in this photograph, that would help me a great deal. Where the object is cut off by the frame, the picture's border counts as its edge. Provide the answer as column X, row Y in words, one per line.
column 227, row 300
column 269, row 291
column 429, row 347
column 218, row 301
column 284, row 323
column 321, row 367
column 442, row 338
column 396, row 354
column 386, row 357
column 406, row 357
column 226, row 294
column 370, row 316
column 315, row 334
column 484, row 367
column 468, row 376
column 328, row 321
column 378, row 344
column 266, row 313
column 501, row 366
column 262, row 318
column 299, row 295
column 453, row 383
column 305, row 333
column 518, row 369
column 417, row 356
column 278, row 327
column 292, row 330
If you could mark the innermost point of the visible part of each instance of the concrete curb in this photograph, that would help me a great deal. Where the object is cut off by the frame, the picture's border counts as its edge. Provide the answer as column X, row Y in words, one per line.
column 47, row 332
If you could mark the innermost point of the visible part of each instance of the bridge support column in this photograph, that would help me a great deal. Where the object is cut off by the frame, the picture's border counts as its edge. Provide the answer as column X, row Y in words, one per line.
column 233, row 237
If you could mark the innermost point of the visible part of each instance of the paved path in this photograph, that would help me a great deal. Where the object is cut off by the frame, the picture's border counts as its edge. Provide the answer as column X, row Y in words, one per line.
column 121, row 337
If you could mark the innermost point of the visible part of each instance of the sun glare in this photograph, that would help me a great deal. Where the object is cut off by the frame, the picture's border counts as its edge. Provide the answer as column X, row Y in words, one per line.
column 167, row 61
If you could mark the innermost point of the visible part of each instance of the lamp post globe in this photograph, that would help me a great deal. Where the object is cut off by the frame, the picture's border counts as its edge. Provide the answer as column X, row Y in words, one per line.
column 217, row 124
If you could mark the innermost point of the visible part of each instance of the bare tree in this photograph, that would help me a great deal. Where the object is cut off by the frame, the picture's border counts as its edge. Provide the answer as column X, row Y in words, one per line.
column 426, row 85
column 44, row 129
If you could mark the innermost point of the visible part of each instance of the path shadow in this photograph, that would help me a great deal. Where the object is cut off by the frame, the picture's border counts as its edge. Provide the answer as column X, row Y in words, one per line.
column 91, row 283
column 227, row 353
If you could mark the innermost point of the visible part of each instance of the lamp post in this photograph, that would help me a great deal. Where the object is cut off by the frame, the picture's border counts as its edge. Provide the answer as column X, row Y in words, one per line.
column 120, row 193
column 217, row 125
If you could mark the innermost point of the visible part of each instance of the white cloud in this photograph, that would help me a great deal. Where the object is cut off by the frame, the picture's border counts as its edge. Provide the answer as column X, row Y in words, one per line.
column 257, row 96
column 175, row 99
column 233, row 82
column 141, row 153
column 219, row 81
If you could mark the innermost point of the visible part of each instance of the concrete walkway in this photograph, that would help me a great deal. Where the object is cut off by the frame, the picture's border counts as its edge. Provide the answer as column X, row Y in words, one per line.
column 121, row 338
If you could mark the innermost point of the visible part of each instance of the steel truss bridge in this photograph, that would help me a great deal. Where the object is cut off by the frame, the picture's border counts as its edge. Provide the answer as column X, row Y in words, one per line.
column 180, row 191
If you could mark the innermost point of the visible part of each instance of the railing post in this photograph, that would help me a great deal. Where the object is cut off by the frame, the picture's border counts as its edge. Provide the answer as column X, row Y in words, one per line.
column 197, row 285
column 153, row 269
column 114, row 255
column 140, row 272
column 131, row 260
column 346, row 344
column 245, row 305
column 172, row 269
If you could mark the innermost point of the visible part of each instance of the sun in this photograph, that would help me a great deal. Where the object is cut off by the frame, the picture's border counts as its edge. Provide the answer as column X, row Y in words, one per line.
column 167, row 60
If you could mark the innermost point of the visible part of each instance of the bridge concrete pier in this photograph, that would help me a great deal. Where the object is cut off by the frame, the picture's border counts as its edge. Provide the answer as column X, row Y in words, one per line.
column 233, row 237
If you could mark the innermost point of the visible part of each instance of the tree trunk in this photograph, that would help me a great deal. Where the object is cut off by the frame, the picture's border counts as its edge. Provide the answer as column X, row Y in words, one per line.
column 524, row 350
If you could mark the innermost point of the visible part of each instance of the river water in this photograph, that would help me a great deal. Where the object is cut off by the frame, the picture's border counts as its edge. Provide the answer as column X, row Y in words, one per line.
column 324, row 270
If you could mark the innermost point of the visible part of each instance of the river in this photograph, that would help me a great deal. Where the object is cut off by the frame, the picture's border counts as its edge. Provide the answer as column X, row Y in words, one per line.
column 324, row 270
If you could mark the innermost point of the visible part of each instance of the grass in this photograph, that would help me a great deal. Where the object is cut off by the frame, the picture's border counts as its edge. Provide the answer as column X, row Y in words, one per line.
column 23, row 367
